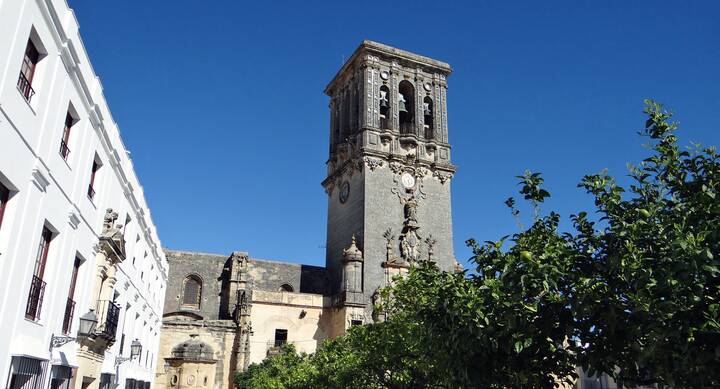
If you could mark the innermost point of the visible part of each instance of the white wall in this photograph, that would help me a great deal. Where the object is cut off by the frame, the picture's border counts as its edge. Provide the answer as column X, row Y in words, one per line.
column 47, row 190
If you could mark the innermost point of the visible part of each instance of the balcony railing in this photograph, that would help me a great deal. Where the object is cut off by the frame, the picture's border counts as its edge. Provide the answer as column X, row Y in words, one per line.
column 91, row 192
column 274, row 347
column 67, row 320
column 108, row 320
column 64, row 150
column 35, row 298
column 25, row 87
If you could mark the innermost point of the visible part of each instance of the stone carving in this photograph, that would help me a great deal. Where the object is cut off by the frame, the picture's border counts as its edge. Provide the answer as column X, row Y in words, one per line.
column 410, row 239
column 373, row 163
column 109, row 219
column 397, row 167
column 112, row 239
column 430, row 242
column 421, row 172
column 443, row 177
column 410, row 245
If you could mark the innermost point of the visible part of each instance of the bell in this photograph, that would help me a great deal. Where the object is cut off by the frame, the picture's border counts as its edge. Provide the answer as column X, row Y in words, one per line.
column 401, row 106
column 383, row 99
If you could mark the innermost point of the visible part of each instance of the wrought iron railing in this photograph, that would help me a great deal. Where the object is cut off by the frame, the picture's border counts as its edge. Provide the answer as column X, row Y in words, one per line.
column 67, row 320
column 110, row 315
column 64, row 150
column 35, row 298
column 91, row 192
column 25, row 87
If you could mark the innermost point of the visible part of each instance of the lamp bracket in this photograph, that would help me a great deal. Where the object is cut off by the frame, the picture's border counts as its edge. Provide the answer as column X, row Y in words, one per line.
column 57, row 341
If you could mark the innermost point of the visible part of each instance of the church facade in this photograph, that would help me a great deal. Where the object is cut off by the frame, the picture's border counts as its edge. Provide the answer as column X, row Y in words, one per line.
column 388, row 186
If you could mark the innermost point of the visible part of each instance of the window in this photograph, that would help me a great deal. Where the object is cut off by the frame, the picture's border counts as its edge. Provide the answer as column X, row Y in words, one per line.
column 286, row 288
column 428, row 117
column 27, row 70
column 70, row 306
column 64, row 150
column 27, row 373
column 354, row 323
column 37, row 285
column 192, row 291
column 406, row 105
column 280, row 337
column 384, row 107
column 4, row 197
column 91, row 189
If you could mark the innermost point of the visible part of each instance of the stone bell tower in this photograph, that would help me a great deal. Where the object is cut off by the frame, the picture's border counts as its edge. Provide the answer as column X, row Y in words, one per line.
column 389, row 169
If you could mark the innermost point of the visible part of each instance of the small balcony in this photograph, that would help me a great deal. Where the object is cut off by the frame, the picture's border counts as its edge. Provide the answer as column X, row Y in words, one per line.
column 35, row 299
column 64, row 150
column 67, row 319
column 274, row 347
column 25, row 88
column 91, row 192
column 108, row 317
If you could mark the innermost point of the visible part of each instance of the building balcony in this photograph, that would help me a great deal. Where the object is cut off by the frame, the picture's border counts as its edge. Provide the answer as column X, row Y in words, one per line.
column 25, row 87
column 91, row 193
column 35, row 299
column 64, row 150
column 108, row 317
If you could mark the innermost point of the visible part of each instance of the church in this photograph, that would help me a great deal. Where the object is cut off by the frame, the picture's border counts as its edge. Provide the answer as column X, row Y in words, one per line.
column 388, row 181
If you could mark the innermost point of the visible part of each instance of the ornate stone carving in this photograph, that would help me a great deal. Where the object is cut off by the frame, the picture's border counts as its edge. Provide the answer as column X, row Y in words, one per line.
column 442, row 176
column 112, row 239
column 373, row 163
column 430, row 242
column 397, row 167
column 421, row 172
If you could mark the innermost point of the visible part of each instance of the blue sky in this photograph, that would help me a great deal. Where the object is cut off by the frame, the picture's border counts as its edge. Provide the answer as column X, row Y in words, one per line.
column 221, row 102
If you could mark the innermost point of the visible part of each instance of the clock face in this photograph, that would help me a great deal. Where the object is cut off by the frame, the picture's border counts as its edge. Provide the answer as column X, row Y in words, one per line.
column 344, row 192
column 408, row 180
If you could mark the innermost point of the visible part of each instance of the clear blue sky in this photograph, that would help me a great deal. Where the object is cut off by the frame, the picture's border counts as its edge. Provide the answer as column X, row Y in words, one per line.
column 221, row 102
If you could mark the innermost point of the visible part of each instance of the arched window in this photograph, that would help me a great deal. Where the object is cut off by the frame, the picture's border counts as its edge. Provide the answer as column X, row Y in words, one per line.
column 192, row 291
column 428, row 117
column 384, row 107
column 406, row 107
column 286, row 288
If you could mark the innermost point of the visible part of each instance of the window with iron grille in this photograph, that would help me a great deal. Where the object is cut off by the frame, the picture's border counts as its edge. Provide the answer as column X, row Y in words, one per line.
column 65, row 141
column 27, row 70
column 70, row 306
column 37, row 285
column 27, row 373
column 91, row 187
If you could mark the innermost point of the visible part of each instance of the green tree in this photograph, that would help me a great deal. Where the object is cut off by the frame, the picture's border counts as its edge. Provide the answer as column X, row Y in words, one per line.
column 633, row 293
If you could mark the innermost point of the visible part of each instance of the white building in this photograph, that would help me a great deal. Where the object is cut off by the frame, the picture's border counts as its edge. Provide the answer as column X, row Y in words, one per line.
column 62, row 255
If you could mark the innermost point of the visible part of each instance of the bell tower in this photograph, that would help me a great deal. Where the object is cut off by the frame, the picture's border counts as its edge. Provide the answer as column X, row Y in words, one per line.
column 389, row 169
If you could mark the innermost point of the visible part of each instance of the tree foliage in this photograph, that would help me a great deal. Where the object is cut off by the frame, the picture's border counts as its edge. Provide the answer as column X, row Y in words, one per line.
column 632, row 290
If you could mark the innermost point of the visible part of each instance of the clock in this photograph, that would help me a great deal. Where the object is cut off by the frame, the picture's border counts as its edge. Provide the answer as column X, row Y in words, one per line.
column 407, row 180
column 344, row 192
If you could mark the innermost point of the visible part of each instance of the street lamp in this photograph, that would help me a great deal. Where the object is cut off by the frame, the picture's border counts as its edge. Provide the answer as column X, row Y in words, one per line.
column 88, row 322
column 135, row 350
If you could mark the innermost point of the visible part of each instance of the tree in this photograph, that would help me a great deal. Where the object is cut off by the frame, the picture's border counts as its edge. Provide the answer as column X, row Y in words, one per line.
column 633, row 293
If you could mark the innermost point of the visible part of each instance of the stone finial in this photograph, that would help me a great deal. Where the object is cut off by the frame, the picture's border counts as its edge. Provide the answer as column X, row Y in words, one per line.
column 458, row 267
column 352, row 253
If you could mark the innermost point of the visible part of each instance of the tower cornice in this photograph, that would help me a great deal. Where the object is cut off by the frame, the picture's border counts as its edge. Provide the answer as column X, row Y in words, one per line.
column 369, row 52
